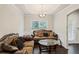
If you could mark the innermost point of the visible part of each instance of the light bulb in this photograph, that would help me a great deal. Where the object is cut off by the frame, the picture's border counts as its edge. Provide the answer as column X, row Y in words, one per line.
column 42, row 15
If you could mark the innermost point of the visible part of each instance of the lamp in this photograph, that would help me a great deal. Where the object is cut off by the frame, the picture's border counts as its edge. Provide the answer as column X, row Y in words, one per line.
column 42, row 13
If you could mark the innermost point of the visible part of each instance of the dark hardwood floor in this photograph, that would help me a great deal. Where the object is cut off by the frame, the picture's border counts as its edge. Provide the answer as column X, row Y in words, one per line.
column 59, row 50
column 73, row 49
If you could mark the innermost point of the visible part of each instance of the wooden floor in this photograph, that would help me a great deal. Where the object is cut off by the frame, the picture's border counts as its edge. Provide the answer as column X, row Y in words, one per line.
column 72, row 49
column 59, row 50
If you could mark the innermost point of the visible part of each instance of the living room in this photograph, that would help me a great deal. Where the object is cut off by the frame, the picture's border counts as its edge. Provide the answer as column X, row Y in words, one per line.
column 23, row 19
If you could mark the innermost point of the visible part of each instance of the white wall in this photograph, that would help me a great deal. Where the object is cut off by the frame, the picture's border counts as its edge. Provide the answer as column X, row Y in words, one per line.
column 30, row 18
column 60, row 23
column 10, row 20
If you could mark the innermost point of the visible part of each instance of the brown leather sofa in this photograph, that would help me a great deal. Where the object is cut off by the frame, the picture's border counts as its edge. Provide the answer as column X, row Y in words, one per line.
column 44, row 34
column 11, row 43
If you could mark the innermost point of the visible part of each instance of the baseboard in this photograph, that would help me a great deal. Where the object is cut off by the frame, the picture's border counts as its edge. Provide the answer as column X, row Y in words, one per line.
column 73, row 43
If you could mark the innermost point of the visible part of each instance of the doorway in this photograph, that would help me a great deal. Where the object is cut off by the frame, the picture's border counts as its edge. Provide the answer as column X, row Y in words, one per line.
column 73, row 32
column 72, row 28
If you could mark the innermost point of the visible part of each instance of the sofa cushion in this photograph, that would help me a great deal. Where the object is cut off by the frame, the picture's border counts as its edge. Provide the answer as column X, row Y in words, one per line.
column 51, row 34
column 28, row 37
column 29, row 44
column 29, row 50
column 8, row 48
column 9, row 39
column 7, row 35
column 14, row 40
column 40, row 34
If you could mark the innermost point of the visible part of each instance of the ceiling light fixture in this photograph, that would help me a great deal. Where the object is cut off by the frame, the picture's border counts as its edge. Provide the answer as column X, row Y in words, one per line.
column 42, row 13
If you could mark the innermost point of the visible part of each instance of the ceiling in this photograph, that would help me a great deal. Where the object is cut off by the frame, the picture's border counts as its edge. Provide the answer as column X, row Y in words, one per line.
column 38, row 8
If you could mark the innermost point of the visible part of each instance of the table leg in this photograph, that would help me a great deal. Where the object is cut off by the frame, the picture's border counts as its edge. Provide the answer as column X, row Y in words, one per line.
column 39, row 49
column 49, row 49
column 55, row 49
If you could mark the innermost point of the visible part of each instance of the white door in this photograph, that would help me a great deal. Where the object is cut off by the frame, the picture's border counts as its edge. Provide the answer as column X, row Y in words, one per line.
column 72, row 28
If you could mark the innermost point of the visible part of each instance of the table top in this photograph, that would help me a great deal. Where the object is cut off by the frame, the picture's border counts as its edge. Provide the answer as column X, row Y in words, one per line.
column 49, row 42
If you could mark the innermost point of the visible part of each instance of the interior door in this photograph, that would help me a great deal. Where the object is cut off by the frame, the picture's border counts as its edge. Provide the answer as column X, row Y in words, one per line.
column 72, row 28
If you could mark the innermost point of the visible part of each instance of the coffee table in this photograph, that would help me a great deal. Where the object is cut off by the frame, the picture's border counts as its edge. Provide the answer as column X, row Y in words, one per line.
column 48, row 43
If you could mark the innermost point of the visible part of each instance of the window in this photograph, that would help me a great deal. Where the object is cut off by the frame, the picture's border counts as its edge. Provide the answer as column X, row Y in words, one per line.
column 35, row 24
column 39, row 24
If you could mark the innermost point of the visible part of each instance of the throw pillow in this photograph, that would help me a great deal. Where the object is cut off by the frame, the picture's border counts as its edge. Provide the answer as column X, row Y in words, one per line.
column 19, row 43
column 45, row 34
column 7, row 35
column 8, row 48
column 28, row 37
column 40, row 34
column 9, row 39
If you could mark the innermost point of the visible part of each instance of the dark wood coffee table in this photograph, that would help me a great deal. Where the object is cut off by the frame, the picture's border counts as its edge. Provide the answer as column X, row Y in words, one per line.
column 48, row 44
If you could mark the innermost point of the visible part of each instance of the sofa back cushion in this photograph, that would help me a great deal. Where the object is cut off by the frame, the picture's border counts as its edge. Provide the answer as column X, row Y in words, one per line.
column 45, row 34
column 7, row 35
column 42, row 33
column 11, row 39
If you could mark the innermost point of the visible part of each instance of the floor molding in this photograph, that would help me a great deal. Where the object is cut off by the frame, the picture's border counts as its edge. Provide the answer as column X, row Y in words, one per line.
column 73, row 43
